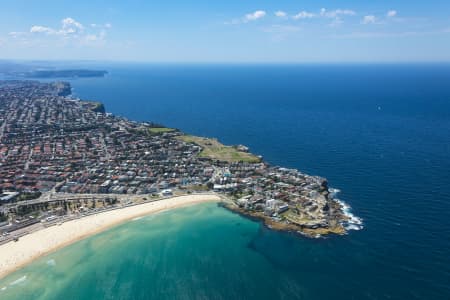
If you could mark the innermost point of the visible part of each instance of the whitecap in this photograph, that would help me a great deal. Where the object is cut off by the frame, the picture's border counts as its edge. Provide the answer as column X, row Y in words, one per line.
column 353, row 222
column 353, row 227
column 51, row 262
column 3, row 288
column 333, row 192
column 20, row 280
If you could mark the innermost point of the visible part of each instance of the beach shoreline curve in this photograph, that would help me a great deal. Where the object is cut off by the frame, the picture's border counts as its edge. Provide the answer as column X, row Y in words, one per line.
column 15, row 255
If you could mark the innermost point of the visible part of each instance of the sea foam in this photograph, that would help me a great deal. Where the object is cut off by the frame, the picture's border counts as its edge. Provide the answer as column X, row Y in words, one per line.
column 51, row 262
column 353, row 222
column 20, row 280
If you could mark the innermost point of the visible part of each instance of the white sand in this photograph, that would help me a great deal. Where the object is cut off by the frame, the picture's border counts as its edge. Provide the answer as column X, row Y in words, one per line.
column 14, row 255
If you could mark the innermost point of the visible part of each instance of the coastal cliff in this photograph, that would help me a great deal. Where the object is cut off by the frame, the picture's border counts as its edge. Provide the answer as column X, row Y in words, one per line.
column 80, row 149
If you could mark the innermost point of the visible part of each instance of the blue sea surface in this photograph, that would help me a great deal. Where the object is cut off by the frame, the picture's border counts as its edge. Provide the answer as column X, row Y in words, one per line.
column 380, row 133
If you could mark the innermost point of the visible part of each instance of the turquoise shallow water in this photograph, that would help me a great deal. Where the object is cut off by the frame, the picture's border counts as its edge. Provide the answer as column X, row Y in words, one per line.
column 199, row 252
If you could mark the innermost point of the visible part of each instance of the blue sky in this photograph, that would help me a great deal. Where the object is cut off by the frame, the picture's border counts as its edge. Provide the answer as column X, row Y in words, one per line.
column 226, row 31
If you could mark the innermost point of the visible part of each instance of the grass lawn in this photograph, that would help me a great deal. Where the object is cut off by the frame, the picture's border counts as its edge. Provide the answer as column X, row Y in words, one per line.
column 158, row 130
column 213, row 149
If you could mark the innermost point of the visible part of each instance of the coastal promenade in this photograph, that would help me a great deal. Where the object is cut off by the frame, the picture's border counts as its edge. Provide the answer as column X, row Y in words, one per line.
column 38, row 243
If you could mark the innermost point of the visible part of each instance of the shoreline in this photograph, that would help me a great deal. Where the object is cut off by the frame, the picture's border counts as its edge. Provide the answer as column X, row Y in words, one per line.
column 271, row 224
column 15, row 255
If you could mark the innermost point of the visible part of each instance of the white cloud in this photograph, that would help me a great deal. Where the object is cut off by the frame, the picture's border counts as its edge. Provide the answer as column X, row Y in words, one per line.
column 106, row 25
column 94, row 39
column 16, row 34
column 70, row 26
column 369, row 19
column 336, row 13
column 281, row 14
column 69, row 22
column 258, row 14
column 255, row 15
column 42, row 29
column 391, row 13
column 303, row 15
column 71, row 31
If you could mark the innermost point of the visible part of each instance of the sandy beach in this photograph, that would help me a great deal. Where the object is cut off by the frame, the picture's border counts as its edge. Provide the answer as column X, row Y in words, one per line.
column 14, row 255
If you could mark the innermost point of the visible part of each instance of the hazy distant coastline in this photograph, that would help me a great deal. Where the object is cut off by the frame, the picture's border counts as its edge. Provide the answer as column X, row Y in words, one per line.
column 45, row 70
column 82, row 73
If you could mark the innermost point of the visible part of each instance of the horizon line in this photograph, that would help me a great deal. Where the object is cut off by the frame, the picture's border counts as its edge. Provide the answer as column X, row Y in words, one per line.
column 382, row 62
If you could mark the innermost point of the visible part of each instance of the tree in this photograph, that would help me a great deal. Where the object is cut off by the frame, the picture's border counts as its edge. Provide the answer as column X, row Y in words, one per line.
column 3, row 217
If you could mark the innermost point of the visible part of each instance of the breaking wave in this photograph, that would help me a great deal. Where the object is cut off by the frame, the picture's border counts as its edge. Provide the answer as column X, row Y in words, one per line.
column 353, row 222
column 20, row 280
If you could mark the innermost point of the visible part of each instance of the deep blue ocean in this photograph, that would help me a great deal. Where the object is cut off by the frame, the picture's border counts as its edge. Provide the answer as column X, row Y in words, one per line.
column 379, row 133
